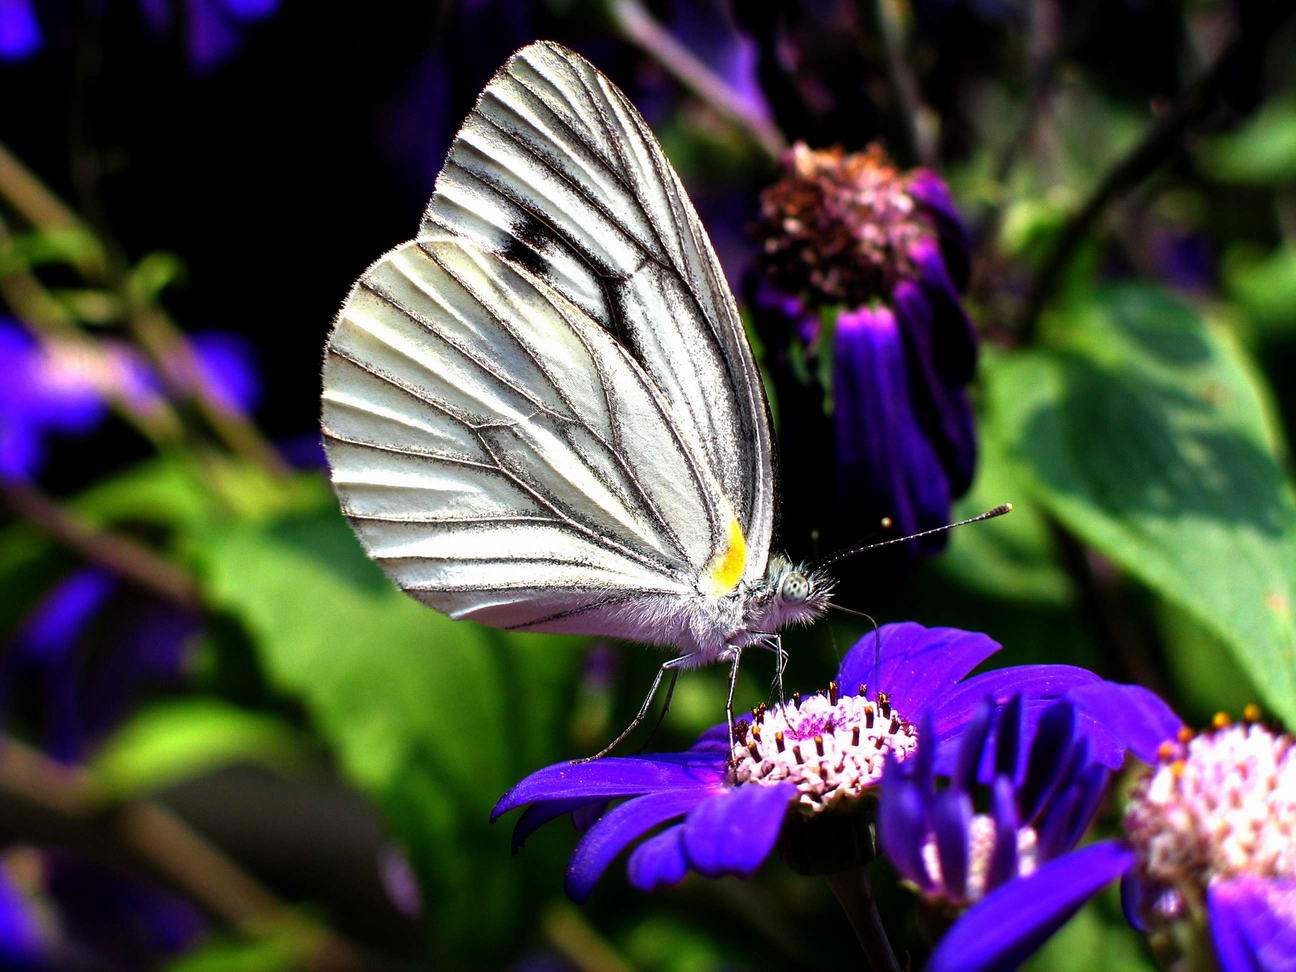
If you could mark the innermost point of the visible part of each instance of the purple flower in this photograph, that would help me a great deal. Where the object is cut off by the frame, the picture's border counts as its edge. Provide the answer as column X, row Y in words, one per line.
column 65, row 385
column 886, row 252
column 20, row 34
column 1040, row 794
column 726, row 811
column 1207, row 834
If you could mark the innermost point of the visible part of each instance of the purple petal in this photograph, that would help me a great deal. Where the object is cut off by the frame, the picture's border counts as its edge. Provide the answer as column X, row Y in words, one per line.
column 902, row 828
column 971, row 747
column 617, row 776
column 1134, row 897
column 1039, row 686
column 917, row 664
column 1053, row 736
column 951, row 819
column 539, row 814
column 930, row 190
column 1134, row 716
column 733, row 833
column 659, row 861
column 1253, row 924
column 20, row 34
column 1093, row 787
column 1014, row 920
column 1008, row 742
column 885, row 466
column 1003, row 855
column 940, row 401
column 620, row 827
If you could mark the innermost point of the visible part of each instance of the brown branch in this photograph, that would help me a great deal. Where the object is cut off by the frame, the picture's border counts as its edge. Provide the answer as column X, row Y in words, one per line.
column 117, row 553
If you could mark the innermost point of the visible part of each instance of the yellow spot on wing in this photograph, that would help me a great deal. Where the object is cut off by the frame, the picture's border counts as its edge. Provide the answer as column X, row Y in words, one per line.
column 727, row 568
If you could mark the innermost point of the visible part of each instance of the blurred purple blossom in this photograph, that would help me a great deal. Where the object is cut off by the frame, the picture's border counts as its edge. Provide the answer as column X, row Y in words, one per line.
column 213, row 28
column 21, row 941
column 86, row 676
column 826, row 751
column 63, row 385
column 20, row 34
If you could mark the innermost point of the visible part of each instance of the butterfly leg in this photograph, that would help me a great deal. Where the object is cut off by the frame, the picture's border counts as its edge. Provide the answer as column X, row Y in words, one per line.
column 673, row 666
column 734, row 655
column 779, row 665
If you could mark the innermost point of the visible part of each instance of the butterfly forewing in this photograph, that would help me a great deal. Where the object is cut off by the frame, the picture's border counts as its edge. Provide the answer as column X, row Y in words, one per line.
column 556, row 170
column 543, row 413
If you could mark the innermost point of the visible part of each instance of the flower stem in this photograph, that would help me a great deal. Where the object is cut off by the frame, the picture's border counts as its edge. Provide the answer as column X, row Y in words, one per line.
column 579, row 942
column 854, row 893
column 638, row 26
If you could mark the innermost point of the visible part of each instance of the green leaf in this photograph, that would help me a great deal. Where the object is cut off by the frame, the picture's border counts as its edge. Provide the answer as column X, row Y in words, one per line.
column 1140, row 428
column 1096, row 939
column 175, row 740
column 1260, row 152
column 1264, row 288
column 434, row 718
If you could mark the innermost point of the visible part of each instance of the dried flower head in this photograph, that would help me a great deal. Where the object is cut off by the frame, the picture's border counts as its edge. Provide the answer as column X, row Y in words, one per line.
column 842, row 227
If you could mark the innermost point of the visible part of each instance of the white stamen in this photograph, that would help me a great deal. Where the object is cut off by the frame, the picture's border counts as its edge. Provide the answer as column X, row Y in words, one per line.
column 853, row 733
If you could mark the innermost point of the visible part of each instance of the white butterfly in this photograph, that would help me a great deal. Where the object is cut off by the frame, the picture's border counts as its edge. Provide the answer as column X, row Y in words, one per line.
column 542, row 413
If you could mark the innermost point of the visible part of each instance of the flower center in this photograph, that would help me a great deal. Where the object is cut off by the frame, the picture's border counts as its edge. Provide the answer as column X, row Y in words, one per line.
column 832, row 747
column 840, row 226
column 1220, row 804
column 980, row 848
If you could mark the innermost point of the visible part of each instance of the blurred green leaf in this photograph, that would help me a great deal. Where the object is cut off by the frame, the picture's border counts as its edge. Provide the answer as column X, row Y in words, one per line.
column 154, row 273
column 1205, row 673
column 434, row 718
column 72, row 245
column 1260, row 152
column 175, row 740
column 1264, row 288
column 1140, row 429
column 1097, row 939
column 283, row 950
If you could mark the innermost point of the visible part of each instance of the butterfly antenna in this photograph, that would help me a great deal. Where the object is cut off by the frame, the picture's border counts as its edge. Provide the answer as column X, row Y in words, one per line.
column 987, row 515
column 877, row 632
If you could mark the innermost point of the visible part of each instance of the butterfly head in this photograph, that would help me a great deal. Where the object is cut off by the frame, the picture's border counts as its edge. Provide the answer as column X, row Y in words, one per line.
column 791, row 594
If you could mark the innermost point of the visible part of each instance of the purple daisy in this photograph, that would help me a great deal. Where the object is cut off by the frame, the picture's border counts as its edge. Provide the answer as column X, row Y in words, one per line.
column 884, row 253
column 1208, row 839
column 1040, row 794
column 825, row 752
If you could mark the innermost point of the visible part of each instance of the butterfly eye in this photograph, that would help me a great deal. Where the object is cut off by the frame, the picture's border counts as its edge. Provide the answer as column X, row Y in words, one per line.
column 796, row 588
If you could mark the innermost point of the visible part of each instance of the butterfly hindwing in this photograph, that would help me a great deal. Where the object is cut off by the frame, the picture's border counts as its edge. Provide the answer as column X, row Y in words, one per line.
column 498, row 453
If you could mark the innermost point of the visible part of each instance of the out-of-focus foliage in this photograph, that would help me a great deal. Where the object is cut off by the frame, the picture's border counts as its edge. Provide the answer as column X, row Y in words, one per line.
column 1142, row 432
